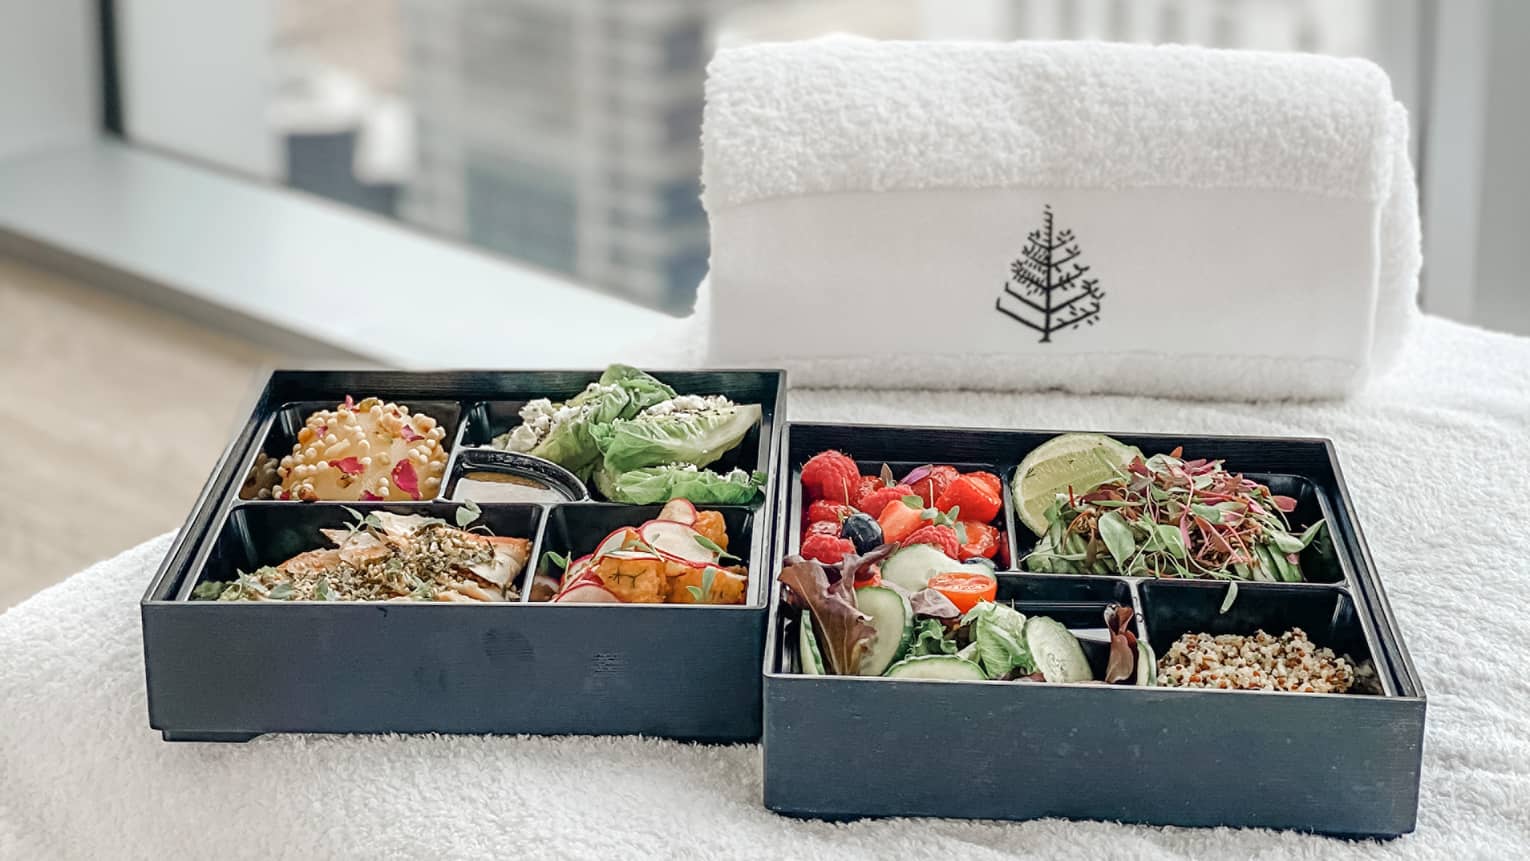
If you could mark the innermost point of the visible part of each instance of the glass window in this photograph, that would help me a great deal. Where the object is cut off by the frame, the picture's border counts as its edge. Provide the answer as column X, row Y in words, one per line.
column 566, row 133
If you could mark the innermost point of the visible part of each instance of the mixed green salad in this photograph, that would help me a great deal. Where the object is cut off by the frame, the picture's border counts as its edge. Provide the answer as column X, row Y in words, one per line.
column 881, row 628
column 1099, row 507
column 640, row 442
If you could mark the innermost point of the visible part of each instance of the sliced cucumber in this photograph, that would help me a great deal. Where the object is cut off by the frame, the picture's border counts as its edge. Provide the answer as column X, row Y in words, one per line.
column 1147, row 665
column 1057, row 652
column 947, row 667
column 807, row 646
column 912, row 567
column 893, row 618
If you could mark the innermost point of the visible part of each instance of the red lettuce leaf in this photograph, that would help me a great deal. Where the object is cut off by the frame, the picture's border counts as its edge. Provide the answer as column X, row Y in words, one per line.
column 931, row 603
column 1122, row 664
column 844, row 632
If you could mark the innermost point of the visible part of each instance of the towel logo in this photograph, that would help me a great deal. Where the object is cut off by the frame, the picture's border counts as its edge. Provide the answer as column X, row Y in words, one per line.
column 1043, row 292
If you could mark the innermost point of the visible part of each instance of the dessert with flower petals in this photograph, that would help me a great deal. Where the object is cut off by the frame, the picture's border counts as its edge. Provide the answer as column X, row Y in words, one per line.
column 371, row 450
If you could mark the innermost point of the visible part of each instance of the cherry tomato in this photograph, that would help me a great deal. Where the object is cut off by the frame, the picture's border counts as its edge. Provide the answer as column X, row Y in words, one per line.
column 965, row 588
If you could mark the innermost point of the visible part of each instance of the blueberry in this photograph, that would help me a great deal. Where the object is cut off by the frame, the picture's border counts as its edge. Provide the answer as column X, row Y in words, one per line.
column 864, row 531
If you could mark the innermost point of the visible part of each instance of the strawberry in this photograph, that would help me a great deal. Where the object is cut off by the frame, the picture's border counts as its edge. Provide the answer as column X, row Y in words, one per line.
column 941, row 537
column 982, row 540
column 824, row 527
column 826, row 548
column 932, row 483
column 830, row 475
column 869, row 484
column 824, row 510
column 898, row 520
column 974, row 497
column 989, row 479
column 874, row 503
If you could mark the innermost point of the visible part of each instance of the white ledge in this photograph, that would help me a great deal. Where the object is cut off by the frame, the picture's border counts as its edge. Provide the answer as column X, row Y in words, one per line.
column 309, row 268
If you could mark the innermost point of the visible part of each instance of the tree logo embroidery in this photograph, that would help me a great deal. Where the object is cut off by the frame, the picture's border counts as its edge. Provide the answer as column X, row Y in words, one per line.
column 1043, row 292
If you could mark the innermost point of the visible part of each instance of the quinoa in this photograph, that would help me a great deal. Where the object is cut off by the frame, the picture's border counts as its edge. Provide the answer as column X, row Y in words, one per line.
column 1290, row 662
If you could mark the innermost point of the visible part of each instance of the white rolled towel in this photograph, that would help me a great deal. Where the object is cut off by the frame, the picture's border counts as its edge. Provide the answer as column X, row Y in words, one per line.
column 1096, row 217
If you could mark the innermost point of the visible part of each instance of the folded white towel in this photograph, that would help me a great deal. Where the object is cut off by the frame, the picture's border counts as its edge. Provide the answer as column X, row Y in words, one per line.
column 1099, row 217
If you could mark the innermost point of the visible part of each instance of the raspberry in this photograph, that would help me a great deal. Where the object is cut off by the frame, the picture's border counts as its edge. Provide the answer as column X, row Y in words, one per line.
column 932, row 484
column 824, row 527
column 824, row 510
column 826, row 548
column 868, row 484
column 941, row 537
column 830, row 475
column 874, row 502
column 976, row 499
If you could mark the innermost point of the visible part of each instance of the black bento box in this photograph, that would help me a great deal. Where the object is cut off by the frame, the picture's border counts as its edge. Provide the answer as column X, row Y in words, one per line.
column 839, row 747
column 228, row 671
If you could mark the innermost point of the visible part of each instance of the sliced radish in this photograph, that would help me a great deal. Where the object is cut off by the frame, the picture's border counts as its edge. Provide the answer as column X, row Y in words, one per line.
column 678, row 541
column 587, row 593
column 578, row 568
column 621, row 539
column 679, row 511
column 634, row 555
column 588, row 578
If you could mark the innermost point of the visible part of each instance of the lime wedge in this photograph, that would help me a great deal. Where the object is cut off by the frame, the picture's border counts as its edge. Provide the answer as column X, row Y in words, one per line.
column 1081, row 461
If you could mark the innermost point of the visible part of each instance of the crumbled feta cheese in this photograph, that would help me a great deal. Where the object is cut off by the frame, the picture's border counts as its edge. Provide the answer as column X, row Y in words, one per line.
column 688, row 404
column 523, row 438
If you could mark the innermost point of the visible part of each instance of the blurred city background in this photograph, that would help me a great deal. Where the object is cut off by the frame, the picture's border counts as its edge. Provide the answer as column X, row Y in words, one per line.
column 565, row 133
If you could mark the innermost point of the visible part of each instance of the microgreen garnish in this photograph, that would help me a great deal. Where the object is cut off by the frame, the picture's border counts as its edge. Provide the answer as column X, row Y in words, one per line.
column 887, row 476
column 556, row 559
column 700, row 593
column 1170, row 517
column 208, row 590
column 1232, row 595
column 467, row 512
column 713, row 546
column 948, row 518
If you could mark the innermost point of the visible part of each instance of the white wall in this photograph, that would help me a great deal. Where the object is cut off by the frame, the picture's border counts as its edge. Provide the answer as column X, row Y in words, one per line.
column 48, row 74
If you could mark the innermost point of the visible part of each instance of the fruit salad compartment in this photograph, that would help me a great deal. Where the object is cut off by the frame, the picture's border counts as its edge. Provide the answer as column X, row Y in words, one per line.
column 268, row 616
column 1053, row 743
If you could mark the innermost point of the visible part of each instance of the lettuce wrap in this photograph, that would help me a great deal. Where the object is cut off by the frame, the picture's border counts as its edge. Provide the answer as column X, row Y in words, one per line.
column 680, row 481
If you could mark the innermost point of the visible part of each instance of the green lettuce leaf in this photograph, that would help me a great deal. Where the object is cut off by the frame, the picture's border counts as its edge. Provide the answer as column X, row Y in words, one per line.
column 674, row 481
column 998, row 632
column 643, row 389
column 656, row 440
column 621, row 393
column 930, row 639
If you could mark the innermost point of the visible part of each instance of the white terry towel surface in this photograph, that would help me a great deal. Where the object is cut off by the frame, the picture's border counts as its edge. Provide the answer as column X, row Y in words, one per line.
column 894, row 213
column 83, row 776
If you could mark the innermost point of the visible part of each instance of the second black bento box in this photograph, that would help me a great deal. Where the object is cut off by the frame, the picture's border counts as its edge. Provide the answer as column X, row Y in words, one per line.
column 231, row 670
column 845, row 747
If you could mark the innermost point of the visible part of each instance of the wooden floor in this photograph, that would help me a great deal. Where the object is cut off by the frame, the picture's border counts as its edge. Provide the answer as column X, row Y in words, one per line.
column 112, row 414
